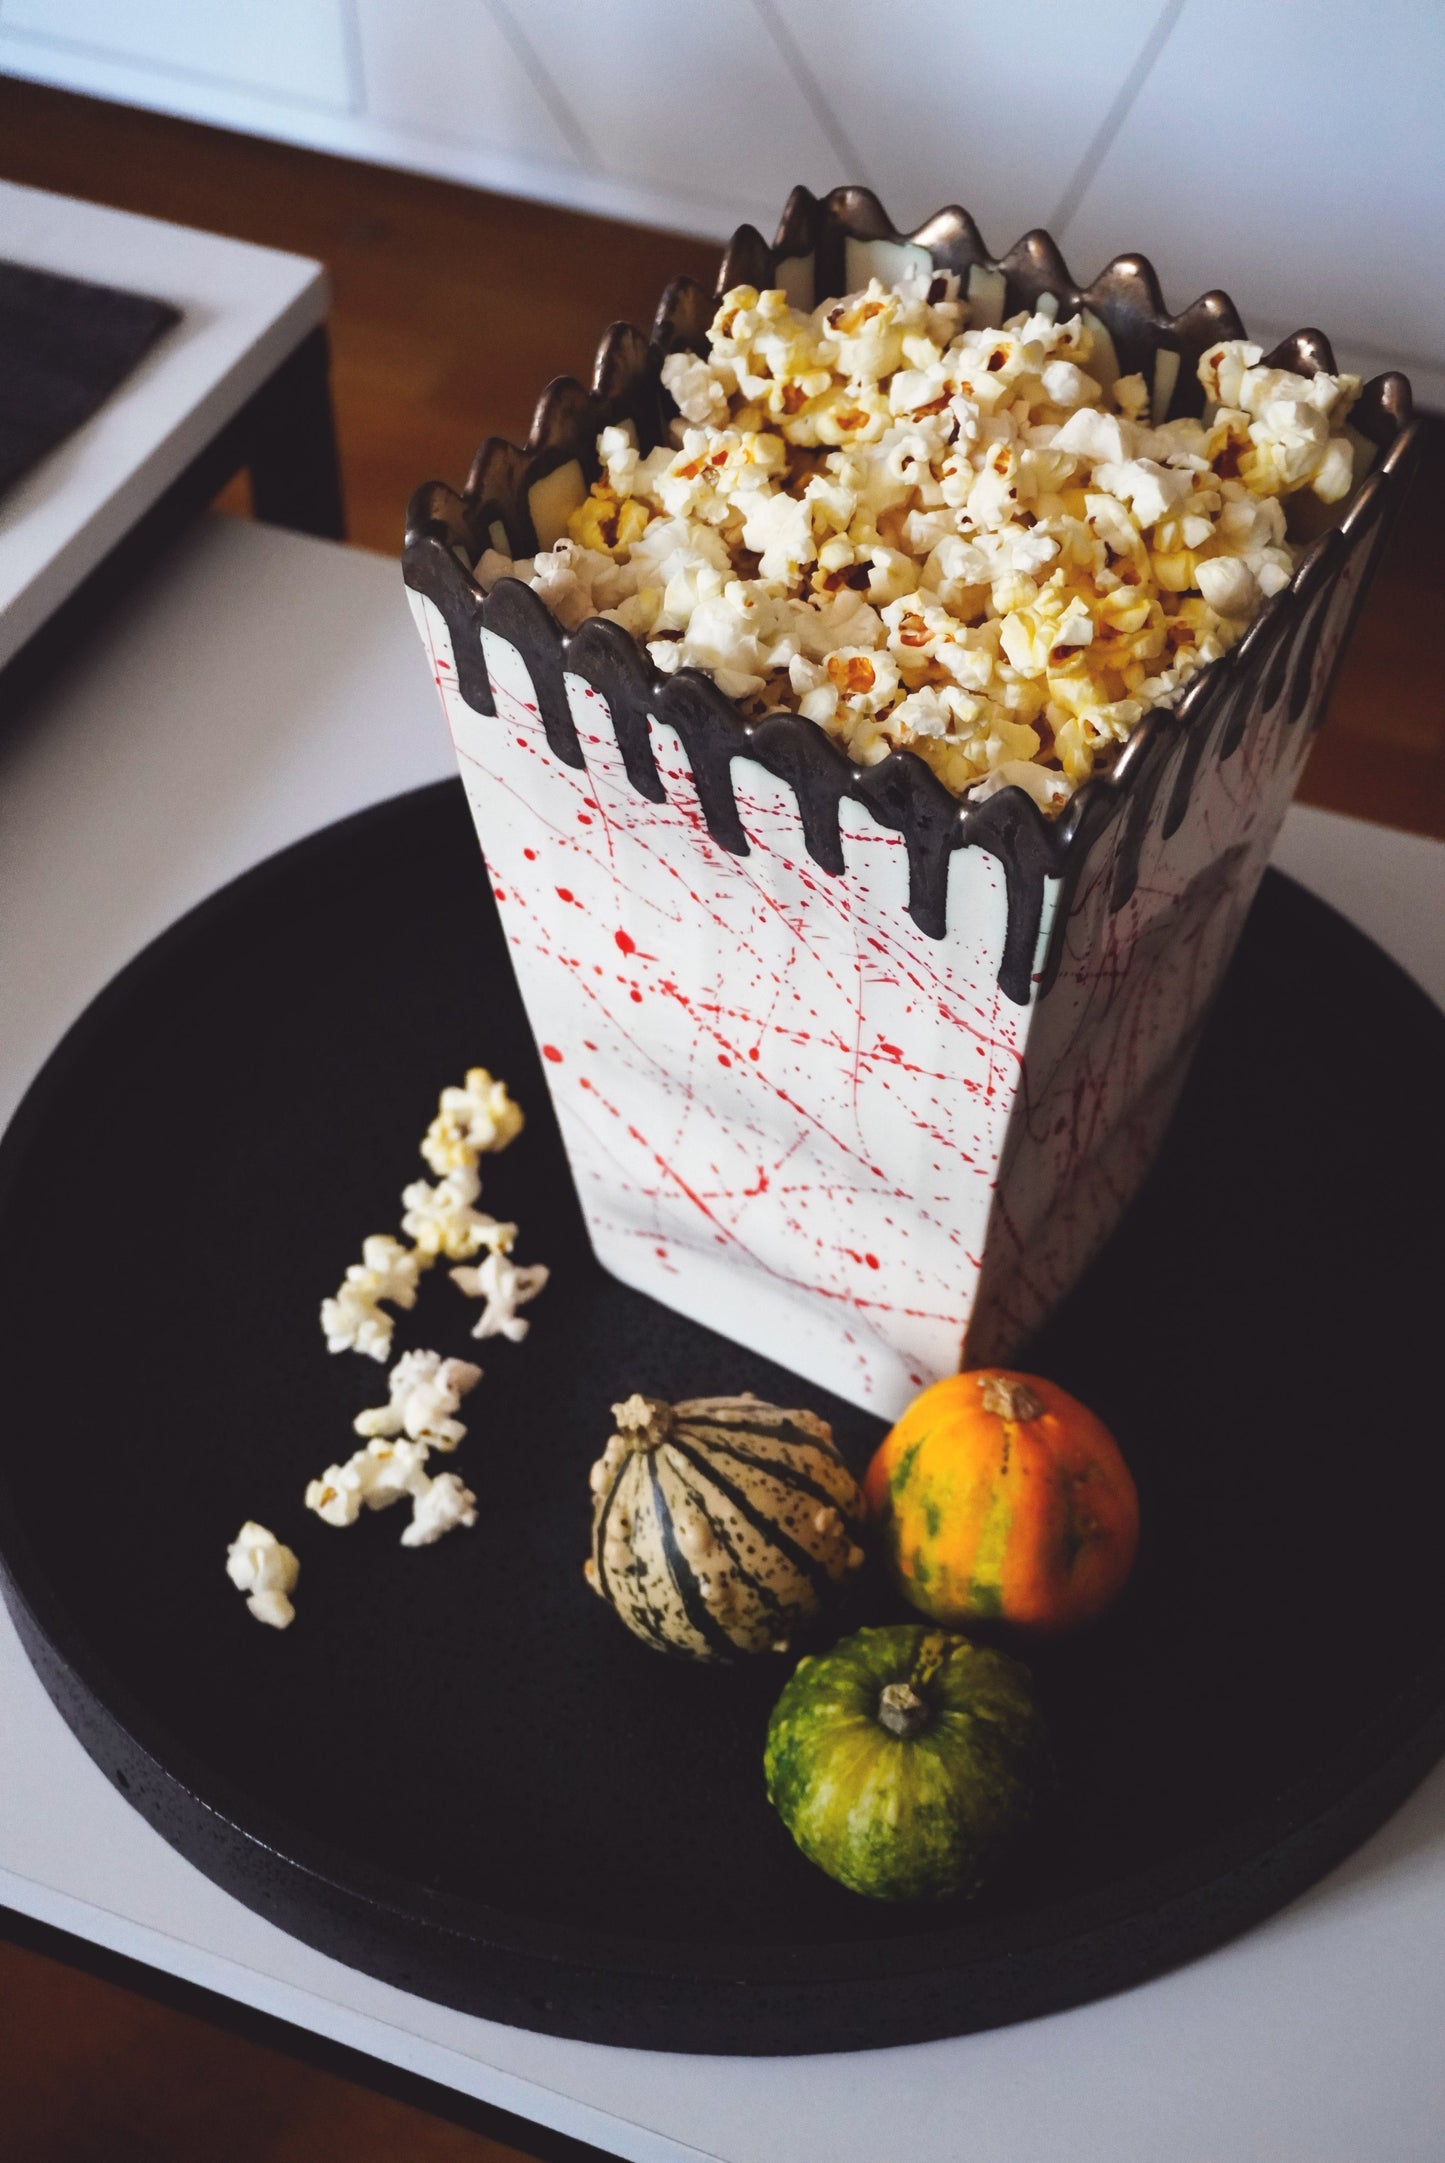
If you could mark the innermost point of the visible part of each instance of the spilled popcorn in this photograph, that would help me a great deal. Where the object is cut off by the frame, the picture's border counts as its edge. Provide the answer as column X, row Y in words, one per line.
column 962, row 542
column 505, row 1288
column 260, row 1566
column 372, row 1478
column 426, row 1393
column 442, row 1220
column 353, row 1321
column 381, row 1474
column 479, row 1116
column 436, row 1508
column 424, row 1389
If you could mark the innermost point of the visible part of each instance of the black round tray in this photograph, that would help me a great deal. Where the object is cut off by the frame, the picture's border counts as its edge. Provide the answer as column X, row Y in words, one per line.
column 456, row 1770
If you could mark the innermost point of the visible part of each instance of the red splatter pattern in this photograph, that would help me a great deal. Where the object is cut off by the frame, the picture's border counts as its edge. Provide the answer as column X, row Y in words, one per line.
column 790, row 1112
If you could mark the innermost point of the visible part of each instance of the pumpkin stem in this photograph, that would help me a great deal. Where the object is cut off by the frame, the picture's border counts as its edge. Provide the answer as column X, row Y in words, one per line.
column 901, row 1710
column 1008, row 1398
column 643, row 1423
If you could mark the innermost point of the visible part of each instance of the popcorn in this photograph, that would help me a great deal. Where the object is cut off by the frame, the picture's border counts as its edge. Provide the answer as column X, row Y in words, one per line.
column 1334, row 473
column 266, row 1571
column 437, row 1506
column 338, row 1495
column 372, row 1478
column 918, row 534
column 722, row 636
column 392, row 1469
column 699, row 393
column 471, row 1120
column 1066, row 384
column 353, row 1320
column 441, row 1219
column 1048, row 790
column 1223, row 368
column 1151, row 491
column 386, row 1472
column 426, row 1391
column 565, row 577
column 1101, row 438
column 864, row 681
column 779, row 529
column 927, row 712
column 392, row 1267
column 1228, row 585
column 505, row 1288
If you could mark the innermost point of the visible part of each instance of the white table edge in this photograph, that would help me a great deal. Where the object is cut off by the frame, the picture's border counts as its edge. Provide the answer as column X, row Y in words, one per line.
column 31, row 591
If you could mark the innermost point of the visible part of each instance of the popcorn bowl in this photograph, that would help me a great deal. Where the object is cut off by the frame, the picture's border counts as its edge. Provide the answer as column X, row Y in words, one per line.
column 859, row 1073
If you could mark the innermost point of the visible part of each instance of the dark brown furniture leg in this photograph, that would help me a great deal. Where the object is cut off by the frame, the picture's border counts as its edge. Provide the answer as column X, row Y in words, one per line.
column 295, row 478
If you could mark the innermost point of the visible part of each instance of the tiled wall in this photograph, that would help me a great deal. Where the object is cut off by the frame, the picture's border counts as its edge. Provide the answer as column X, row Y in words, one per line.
column 1288, row 149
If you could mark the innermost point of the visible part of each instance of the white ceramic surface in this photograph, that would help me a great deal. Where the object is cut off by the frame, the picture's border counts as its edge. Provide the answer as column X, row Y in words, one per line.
column 859, row 1075
column 789, row 1110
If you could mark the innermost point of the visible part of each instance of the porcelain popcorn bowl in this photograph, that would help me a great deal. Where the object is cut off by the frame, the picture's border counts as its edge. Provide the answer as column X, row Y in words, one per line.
column 861, row 1074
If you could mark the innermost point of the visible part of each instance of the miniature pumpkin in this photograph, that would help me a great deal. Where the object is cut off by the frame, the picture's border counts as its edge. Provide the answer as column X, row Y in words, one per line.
column 720, row 1524
column 905, row 1761
column 998, row 1495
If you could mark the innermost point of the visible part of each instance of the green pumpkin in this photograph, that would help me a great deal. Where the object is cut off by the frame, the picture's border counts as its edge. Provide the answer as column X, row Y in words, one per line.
column 905, row 1761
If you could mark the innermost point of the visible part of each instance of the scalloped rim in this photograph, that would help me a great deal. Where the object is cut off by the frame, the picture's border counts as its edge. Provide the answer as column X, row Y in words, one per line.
column 1125, row 298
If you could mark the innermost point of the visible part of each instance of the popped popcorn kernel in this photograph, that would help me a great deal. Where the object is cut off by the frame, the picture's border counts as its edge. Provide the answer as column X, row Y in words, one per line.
column 392, row 1267
column 353, row 1318
column 372, row 1478
column 387, row 1472
column 478, row 1117
column 442, row 1220
column 424, row 1389
column 426, row 1393
column 504, row 1287
column 438, row 1506
column 352, row 1321
column 337, row 1497
column 259, row 1565
column 954, row 540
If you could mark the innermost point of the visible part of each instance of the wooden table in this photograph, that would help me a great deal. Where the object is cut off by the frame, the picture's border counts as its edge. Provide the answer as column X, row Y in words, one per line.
column 162, row 765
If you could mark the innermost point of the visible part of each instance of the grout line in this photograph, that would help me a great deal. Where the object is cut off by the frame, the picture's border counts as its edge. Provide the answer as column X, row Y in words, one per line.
column 537, row 72
column 843, row 145
column 1080, row 180
column 355, row 57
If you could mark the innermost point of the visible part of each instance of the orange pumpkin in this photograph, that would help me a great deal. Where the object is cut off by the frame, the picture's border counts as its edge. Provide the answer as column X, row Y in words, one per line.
column 1000, row 1496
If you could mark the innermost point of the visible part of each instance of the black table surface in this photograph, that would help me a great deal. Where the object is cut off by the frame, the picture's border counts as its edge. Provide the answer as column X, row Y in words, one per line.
column 65, row 345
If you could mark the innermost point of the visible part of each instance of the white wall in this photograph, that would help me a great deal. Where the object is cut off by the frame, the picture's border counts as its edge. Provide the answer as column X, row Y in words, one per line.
column 1286, row 149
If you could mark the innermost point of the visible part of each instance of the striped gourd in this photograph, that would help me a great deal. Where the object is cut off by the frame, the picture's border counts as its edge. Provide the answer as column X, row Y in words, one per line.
column 720, row 1524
